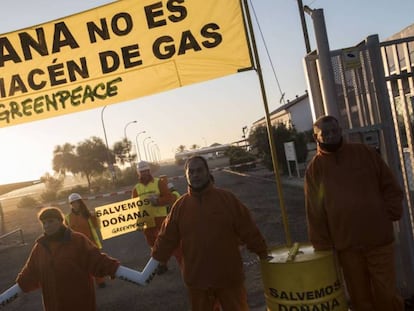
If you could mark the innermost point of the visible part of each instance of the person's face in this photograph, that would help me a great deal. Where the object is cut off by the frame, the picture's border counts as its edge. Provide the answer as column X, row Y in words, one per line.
column 75, row 205
column 144, row 174
column 51, row 225
column 197, row 174
column 328, row 133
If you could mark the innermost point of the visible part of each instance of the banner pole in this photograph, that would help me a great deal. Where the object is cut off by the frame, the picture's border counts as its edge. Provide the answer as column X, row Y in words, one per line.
column 272, row 144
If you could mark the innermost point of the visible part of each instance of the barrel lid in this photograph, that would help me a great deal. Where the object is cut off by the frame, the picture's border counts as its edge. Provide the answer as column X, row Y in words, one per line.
column 303, row 253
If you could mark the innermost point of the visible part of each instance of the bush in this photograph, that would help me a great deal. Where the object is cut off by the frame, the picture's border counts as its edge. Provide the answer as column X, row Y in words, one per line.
column 28, row 202
column 259, row 140
column 238, row 155
column 48, row 196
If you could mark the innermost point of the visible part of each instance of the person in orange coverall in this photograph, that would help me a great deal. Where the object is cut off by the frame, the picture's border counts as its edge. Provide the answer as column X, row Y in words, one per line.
column 210, row 224
column 153, row 191
column 80, row 219
column 62, row 263
column 352, row 200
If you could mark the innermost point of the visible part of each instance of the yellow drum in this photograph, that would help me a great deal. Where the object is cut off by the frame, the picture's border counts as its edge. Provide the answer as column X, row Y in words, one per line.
column 300, row 279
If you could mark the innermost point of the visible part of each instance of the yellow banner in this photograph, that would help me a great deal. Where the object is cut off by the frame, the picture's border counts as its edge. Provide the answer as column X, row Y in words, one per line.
column 123, row 217
column 118, row 52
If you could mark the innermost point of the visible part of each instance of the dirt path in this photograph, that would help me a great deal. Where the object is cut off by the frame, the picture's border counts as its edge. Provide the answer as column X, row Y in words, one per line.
column 166, row 292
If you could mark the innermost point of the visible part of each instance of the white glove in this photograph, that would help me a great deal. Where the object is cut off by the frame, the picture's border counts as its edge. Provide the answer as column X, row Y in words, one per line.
column 9, row 295
column 139, row 278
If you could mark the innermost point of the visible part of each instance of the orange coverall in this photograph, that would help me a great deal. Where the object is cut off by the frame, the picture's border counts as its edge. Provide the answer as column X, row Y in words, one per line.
column 352, row 199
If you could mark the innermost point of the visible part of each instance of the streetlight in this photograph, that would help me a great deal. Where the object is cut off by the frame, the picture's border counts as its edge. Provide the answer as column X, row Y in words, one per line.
column 145, row 150
column 150, row 156
column 126, row 140
column 110, row 166
column 153, row 155
column 157, row 153
column 136, row 140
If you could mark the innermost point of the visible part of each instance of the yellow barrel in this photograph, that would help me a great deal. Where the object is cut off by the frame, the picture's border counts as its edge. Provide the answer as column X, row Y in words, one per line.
column 300, row 279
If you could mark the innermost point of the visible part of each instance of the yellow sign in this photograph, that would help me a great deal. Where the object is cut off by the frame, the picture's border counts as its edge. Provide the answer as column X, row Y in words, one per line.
column 123, row 217
column 118, row 52
column 350, row 58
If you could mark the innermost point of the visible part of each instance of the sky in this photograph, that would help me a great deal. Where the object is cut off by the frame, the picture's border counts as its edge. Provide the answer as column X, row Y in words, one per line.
column 210, row 112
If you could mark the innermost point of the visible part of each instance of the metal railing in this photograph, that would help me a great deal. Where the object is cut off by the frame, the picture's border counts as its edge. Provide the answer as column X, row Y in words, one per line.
column 13, row 232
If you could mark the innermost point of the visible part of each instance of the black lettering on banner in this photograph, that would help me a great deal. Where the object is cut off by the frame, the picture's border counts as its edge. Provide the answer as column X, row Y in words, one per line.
column 31, row 80
column 110, row 60
column 306, row 295
column 155, row 14
column 124, row 207
column 121, row 25
column 8, row 53
column 188, row 42
column 208, row 31
column 56, row 74
column 164, row 47
column 62, row 37
column 119, row 219
column 329, row 305
column 173, row 7
column 152, row 12
column 39, row 45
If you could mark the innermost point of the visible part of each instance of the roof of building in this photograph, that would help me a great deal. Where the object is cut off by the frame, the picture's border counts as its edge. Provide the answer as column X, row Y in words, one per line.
column 286, row 106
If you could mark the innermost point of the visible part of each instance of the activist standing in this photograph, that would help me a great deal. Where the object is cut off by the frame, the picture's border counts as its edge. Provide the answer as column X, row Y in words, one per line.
column 153, row 192
column 210, row 224
column 80, row 219
column 352, row 199
column 62, row 263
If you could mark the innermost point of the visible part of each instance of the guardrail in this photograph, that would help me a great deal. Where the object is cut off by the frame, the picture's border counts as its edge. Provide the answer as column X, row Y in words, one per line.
column 13, row 232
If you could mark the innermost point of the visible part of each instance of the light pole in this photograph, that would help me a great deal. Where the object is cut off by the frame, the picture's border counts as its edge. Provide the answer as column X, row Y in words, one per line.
column 145, row 149
column 157, row 153
column 244, row 129
column 108, row 157
column 126, row 140
column 136, row 141
column 150, row 156
column 153, row 155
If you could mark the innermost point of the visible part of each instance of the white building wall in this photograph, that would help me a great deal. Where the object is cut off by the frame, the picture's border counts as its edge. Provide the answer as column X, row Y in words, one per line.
column 301, row 115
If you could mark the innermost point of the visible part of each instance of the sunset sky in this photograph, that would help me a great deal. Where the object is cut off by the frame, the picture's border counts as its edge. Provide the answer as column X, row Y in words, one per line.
column 210, row 112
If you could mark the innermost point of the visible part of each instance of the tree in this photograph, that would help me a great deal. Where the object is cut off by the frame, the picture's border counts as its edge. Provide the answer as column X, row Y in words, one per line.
column 194, row 146
column 259, row 141
column 52, row 187
column 64, row 158
column 91, row 158
column 122, row 151
column 88, row 158
column 180, row 148
column 238, row 155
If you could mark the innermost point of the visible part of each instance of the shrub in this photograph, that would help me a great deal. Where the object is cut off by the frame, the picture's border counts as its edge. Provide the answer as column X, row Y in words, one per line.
column 28, row 202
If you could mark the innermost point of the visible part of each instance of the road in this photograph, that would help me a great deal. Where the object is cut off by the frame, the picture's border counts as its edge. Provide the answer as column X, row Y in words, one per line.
column 167, row 292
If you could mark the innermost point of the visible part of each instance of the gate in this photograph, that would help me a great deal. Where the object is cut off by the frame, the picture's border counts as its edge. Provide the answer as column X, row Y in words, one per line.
column 373, row 99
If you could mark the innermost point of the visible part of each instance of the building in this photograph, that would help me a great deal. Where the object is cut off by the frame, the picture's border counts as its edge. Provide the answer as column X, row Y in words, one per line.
column 295, row 113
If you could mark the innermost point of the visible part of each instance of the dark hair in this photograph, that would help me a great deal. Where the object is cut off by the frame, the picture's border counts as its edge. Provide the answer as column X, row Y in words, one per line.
column 50, row 212
column 324, row 119
column 193, row 157
column 84, row 209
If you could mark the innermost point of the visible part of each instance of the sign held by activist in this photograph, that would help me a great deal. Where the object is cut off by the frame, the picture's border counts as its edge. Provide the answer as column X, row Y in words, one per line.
column 117, row 52
column 123, row 217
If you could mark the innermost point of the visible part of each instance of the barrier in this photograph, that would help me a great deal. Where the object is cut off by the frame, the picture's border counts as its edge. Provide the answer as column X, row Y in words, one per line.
column 13, row 232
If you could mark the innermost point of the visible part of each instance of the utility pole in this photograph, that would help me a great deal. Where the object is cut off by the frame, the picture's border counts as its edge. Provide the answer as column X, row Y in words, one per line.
column 304, row 28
